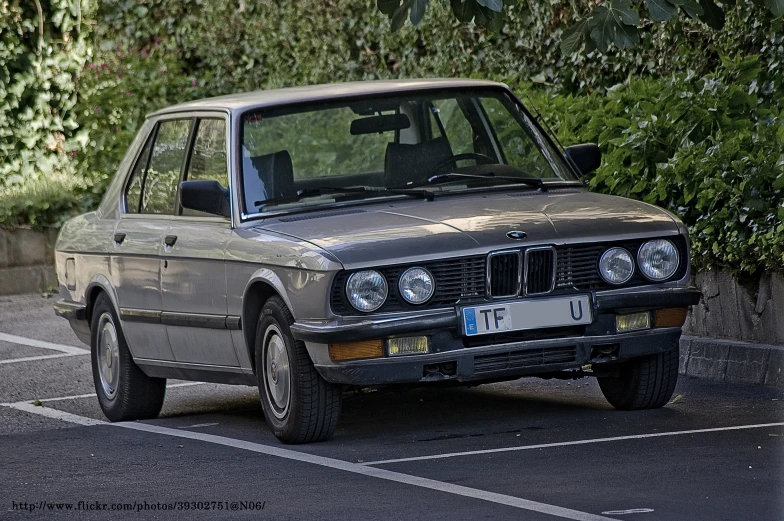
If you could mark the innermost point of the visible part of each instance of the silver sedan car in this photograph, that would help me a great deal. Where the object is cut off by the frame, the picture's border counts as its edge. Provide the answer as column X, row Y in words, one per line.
column 312, row 240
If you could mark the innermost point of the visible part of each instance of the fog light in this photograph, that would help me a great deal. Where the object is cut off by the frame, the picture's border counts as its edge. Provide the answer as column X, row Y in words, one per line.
column 632, row 322
column 356, row 350
column 409, row 345
column 674, row 317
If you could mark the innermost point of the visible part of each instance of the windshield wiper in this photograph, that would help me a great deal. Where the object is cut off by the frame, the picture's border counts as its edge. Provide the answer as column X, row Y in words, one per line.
column 312, row 192
column 530, row 181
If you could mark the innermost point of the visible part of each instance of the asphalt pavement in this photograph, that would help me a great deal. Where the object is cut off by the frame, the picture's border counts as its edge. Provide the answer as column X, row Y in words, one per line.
column 530, row 449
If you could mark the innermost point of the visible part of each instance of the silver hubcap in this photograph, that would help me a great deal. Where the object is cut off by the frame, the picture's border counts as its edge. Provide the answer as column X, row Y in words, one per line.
column 108, row 354
column 276, row 372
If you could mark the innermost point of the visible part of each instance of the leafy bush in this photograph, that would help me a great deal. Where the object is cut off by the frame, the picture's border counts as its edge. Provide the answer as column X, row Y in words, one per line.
column 700, row 135
column 38, row 62
column 706, row 148
column 116, row 91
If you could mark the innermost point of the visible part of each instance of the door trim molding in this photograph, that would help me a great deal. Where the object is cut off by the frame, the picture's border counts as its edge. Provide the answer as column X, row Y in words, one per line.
column 169, row 318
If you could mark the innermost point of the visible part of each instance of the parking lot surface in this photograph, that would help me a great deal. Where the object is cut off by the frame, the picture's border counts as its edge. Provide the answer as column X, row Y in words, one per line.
column 530, row 449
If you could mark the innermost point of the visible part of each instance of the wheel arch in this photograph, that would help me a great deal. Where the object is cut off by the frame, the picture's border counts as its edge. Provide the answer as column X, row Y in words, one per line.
column 264, row 285
column 100, row 284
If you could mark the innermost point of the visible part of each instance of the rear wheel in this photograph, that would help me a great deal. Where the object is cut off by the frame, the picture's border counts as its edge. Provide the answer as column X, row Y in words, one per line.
column 299, row 405
column 124, row 392
column 646, row 382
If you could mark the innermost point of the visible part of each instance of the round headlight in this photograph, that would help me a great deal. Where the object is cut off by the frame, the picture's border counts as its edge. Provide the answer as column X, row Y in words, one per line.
column 658, row 260
column 416, row 285
column 616, row 265
column 366, row 290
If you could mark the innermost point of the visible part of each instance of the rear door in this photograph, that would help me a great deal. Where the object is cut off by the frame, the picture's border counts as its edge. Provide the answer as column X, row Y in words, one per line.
column 149, row 204
column 193, row 276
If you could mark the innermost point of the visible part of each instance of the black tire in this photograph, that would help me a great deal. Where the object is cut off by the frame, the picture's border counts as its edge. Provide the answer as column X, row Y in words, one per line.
column 646, row 382
column 311, row 412
column 127, row 393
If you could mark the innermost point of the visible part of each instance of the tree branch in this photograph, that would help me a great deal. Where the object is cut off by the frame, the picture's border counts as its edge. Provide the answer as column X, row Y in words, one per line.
column 40, row 28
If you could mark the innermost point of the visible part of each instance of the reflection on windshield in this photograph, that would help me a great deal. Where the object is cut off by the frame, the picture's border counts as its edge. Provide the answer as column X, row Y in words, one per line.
column 306, row 155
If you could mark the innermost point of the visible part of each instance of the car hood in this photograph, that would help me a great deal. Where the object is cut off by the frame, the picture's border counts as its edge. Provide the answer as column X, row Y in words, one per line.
column 412, row 230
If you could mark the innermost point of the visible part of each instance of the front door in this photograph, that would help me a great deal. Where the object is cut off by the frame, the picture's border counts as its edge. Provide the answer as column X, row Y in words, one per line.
column 148, row 207
column 193, row 271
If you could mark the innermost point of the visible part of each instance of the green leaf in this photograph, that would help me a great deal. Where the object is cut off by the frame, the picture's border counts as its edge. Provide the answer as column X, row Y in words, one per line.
column 601, row 34
column 493, row 5
column 712, row 15
column 400, row 15
column 463, row 9
column 690, row 7
column 570, row 38
column 776, row 7
column 661, row 10
column 614, row 23
column 623, row 13
column 625, row 36
column 418, row 8
column 388, row 7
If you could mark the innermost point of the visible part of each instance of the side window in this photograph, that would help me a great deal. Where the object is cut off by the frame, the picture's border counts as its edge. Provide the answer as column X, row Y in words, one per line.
column 134, row 191
column 208, row 156
column 160, row 183
column 208, row 159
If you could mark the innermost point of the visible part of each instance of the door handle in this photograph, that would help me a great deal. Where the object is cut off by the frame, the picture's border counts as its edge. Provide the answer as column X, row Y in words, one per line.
column 170, row 240
column 119, row 237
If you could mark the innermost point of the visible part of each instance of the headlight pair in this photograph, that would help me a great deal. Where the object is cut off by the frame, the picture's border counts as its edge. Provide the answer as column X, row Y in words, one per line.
column 367, row 290
column 658, row 260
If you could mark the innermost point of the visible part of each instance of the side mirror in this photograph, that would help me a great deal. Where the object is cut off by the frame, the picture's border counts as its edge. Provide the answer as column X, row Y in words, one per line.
column 205, row 196
column 586, row 157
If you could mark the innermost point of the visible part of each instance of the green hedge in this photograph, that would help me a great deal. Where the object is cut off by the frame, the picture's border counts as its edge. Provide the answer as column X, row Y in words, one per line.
column 709, row 149
column 683, row 123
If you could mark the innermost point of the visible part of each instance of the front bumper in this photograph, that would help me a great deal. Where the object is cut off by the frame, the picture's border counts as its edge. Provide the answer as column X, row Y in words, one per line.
column 497, row 362
column 454, row 359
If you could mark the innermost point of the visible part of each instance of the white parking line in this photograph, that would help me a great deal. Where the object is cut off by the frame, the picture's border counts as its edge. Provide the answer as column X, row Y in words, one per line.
column 630, row 511
column 89, row 395
column 354, row 468
column 575, row 442
column 42, row 357
column 13, row 339
column 431, row 484
column 52, row 413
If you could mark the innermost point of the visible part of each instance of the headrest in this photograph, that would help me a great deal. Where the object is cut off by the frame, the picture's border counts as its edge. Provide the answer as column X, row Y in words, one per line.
column 412, row 163
column 276, row 173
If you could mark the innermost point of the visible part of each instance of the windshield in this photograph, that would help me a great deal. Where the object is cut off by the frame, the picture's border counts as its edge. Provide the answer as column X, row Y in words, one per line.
column 444, row 141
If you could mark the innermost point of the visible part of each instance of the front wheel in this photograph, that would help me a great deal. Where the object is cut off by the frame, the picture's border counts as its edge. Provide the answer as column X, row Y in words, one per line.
column 299, row 405
column 646, row 382
column 124, row 392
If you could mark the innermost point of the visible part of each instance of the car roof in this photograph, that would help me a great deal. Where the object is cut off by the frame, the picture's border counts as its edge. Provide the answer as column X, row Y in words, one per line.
column 266, row 98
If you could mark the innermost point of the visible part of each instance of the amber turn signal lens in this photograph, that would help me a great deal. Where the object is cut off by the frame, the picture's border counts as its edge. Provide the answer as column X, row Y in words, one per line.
column 356, row 350
column 674, row 317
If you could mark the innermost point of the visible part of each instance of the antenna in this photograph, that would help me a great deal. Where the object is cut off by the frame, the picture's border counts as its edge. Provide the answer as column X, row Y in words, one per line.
column 543, row 121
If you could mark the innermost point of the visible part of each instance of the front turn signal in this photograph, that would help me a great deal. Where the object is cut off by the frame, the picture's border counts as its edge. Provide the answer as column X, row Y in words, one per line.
column 356, row 350
column 674, row 317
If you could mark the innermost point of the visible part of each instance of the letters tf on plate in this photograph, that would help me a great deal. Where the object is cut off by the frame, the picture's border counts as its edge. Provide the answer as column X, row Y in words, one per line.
column 528, row 314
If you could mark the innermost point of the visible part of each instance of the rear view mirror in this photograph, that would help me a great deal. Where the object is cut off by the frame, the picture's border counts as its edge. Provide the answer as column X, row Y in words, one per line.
column 587, row 157
column 383, row 123
column 205, row 196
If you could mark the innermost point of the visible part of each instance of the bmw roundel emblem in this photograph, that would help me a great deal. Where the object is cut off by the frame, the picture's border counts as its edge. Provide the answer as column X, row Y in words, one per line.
column 516, row 235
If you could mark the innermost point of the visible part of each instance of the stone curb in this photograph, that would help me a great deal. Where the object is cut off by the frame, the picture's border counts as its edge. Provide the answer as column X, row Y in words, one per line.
column 732, row 361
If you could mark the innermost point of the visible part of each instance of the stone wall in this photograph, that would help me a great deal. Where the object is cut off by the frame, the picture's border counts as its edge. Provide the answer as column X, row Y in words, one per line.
column 731, row 311
column 27, row 261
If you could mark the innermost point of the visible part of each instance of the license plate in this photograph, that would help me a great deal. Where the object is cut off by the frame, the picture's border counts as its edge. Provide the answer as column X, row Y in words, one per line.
column 527, row 314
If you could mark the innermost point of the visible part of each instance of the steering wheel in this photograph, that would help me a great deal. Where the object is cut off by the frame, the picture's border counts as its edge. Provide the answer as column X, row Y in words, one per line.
column 479, row 158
